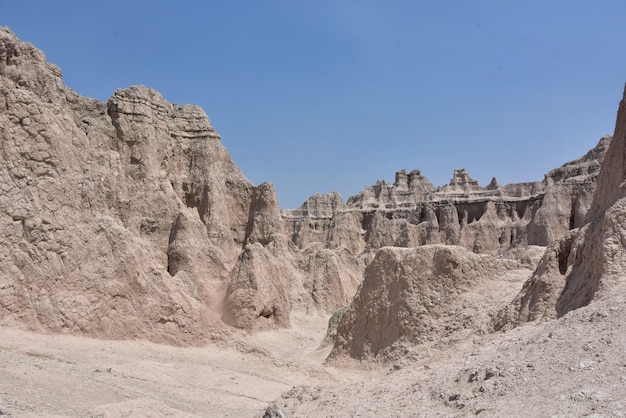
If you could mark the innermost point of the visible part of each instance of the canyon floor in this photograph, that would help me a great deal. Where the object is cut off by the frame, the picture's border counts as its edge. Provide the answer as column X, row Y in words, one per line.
column 573, row 366
column 239, row 375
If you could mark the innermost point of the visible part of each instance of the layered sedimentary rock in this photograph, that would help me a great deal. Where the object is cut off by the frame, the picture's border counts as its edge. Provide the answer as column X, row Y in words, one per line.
column 118, row 219
column 129, row 219
column 412, row 212
column 411, row 296
column 589, row 262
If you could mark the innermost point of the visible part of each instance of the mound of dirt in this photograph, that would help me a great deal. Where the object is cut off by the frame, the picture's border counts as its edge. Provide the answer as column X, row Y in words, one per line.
column 434, row 292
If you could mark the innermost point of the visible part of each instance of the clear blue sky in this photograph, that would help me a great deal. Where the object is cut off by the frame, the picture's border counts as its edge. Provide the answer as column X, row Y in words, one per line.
column 320, row 95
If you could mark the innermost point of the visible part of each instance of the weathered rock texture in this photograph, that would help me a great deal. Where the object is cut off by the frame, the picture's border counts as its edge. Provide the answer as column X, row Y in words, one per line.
column 411, row 212
column 589, row 262
column 433, row 292
column 129, row 219
column 410, row 296
column 100, row 200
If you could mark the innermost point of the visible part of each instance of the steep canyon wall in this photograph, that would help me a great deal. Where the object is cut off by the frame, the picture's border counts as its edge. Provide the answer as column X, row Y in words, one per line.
column 129, row 219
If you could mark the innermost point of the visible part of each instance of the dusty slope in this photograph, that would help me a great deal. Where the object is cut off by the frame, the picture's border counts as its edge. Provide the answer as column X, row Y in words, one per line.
column 70, row 376
column 573, row 366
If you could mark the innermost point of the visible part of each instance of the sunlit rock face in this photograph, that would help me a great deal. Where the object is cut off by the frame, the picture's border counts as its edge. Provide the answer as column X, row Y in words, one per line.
column 129, row 219
column 491, row 220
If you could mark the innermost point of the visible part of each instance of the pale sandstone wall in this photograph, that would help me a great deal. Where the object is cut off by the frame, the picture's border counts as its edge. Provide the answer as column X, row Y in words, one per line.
column 491, row 220
column 129, row 219
column 589, row 262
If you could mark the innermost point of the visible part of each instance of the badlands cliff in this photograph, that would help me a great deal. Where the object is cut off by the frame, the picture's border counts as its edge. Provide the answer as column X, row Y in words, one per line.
column 129, row 219
column 436, row 308
column 588, row 263
column 490, row 220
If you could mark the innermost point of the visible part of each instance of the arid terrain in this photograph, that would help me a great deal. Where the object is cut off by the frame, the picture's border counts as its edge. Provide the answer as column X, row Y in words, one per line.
column 142, row 274
column 573, row 366
column 61, row 375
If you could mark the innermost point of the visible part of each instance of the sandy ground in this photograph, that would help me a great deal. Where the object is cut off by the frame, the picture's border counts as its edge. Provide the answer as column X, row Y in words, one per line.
column 571, row 367
column 69, row 376
column 237, row 376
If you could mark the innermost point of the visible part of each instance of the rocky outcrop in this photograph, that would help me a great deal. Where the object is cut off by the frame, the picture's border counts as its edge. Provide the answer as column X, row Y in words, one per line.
column 410, row 296
column 272, row 276
column 588, row 263
column 129, row 219
column 259, row 290
column 411, row 212
column 99, row 200
column 414, row 296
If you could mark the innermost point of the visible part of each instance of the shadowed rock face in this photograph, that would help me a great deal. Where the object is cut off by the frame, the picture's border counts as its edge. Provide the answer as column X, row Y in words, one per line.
column 589, row 262
column 491, row 220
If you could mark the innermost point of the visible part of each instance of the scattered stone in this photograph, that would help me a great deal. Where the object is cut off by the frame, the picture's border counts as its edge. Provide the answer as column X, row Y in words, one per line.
column 585, row 395
column 275, row 411
column 489, row 373
column 473, row 377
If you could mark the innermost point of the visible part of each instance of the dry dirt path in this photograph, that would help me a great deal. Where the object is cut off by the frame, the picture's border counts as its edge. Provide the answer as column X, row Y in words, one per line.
column 69, row 376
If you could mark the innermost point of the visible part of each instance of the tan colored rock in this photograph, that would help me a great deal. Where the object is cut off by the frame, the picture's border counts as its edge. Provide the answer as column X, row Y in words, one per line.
column 332, row 277
column 611, row 186
column 588, row 263
column 95, row 200
column 259, row 293
column 491, row 220
column 273, row 277
column 128, row 219
column 411, row 296
column 152, row 181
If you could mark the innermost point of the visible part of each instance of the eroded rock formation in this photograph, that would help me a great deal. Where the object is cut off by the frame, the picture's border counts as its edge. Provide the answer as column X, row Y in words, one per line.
column 410, row 296
column 129, row 219
column 100, row 200
column 411, row 212
column 589, row 262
